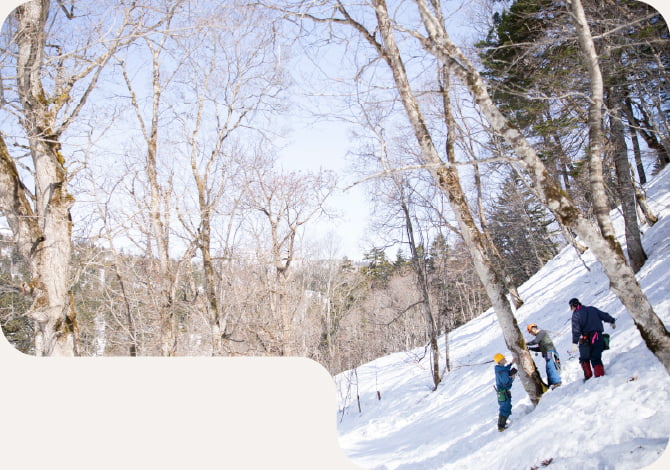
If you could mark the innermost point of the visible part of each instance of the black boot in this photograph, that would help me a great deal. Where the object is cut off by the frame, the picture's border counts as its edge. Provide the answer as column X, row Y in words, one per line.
column 502, row 421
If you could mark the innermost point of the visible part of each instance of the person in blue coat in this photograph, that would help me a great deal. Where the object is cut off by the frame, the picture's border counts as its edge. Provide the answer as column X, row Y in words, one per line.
column 543, row 344
column 505, row 375
column 587, row 337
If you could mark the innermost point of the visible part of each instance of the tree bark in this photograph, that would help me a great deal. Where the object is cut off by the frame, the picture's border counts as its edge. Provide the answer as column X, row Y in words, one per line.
column 52, row 308
column 15, row 205
column 422, row 284
column 628, row 111
column 636, row 254
column 647, row 213
column 601, row 207
column 159, row 220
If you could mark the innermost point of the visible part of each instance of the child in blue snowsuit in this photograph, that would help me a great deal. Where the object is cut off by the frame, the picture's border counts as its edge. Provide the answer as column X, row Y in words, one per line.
column 543, row 344
column 504, row 377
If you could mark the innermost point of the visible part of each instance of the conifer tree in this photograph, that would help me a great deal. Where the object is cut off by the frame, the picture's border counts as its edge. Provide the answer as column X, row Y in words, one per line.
column 521, row 228
column 378, row 268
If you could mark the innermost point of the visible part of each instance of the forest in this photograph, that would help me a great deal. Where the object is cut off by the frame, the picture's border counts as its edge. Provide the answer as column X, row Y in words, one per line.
column 145, row 209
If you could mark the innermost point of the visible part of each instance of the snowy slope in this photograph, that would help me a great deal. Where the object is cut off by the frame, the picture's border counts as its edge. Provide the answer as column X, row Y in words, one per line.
column 619, row 421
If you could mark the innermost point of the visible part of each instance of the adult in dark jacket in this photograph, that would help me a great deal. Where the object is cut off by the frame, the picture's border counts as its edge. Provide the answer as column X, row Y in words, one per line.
column 543, row 344
column 587, row 336
column 504, row 378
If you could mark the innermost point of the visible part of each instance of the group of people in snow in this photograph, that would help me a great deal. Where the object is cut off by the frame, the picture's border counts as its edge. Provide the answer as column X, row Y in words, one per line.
column 587, row 338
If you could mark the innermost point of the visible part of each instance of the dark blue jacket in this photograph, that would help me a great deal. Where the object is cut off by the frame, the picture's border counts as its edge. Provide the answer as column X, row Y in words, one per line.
column 587, row 320
column 503, row 379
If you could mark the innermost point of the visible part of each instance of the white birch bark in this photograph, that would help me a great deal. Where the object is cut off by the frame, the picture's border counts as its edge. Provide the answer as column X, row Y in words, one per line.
column 596, row 139
column 52, row 308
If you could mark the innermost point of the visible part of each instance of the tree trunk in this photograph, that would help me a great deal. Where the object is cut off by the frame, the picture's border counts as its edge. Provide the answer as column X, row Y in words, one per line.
column 158, row 206
column 647, row 213
column 210, row 280
column 628, row 111
column 651, row 138
column 132, row 331
column 494, row 253
column 160, row 231
column 636, row 254
column 15, row 206
column 606, row 250
column 445, row 89
column 52, row 308
column 601, row 207
column 422, row 284
column 285, row 314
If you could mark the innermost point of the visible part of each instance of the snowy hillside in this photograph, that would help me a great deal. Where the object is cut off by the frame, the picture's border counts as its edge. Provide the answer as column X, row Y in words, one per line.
column 619, row 421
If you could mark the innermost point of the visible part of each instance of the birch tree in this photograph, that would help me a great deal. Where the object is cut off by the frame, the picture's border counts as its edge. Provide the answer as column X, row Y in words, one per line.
column 158, row 195
column 435, row 40
column 52, row 88
column 398, row 194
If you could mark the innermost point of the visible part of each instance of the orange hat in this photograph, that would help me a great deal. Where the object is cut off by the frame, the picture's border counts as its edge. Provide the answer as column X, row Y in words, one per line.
column 529, row 327
column 498, row 357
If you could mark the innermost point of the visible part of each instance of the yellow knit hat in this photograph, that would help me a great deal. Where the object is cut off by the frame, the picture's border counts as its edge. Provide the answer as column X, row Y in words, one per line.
column 498, row 357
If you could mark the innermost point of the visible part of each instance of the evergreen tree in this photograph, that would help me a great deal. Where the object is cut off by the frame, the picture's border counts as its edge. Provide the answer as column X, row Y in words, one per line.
column 400, row 259
column 522, row 229
column 377, row 267
column 531, row 57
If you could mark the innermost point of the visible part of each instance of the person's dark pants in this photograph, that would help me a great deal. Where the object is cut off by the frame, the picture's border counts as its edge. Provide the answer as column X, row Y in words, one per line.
column 590, row 353
column 504, row 408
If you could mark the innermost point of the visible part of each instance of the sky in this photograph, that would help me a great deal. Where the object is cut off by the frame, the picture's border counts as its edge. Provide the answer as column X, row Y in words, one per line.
column 324, row 145
column 620, row 421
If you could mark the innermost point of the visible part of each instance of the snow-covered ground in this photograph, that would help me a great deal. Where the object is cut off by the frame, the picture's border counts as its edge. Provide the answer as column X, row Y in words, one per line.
column 619, row 421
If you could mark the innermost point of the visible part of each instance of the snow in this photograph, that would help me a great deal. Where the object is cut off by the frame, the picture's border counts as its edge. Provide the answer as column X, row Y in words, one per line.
column 619, row 421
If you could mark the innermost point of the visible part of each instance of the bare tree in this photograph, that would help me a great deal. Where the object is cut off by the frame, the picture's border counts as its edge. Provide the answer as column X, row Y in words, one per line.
column 52, row 89
column 446, row 177
column 444, row 82
column 435, row 40
column 160, row 193
column 116, row 263
column 232, row 75
column 286, row 201
column 399, row 195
